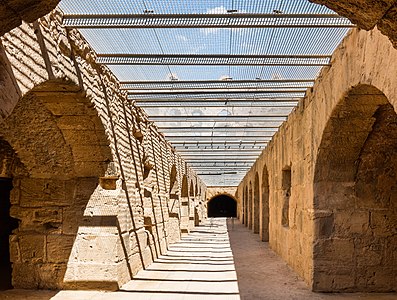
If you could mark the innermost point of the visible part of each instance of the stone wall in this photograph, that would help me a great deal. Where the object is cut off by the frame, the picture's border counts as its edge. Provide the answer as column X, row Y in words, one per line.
column 13, row 12
column 97, row 190
column 327, row 182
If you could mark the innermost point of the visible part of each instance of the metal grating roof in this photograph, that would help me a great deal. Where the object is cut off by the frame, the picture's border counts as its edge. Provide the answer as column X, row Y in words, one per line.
column 217, row 76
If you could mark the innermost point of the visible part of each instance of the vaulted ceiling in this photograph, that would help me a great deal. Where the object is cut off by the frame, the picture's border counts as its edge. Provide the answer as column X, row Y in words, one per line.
column 218, row 77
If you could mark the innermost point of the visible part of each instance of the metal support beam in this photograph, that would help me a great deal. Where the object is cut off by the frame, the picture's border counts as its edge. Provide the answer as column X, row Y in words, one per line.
column 218, row 104
column 210, row 118
column 210, row 128
column 213, row 59
column 172, row 138
column 254, row 98
column 219, row 151
column 232, row 20
column 222, row 160
column 224, row 92
column 126, row 85
column 221, row 143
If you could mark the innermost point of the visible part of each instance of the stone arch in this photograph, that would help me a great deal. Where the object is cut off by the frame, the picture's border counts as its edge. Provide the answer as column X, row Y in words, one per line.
column 174, row 185
column 250, row 206
column 355, row 187
column 191, row 188
column 174, row 205
column 185, row 187
column 256, row 204
column 61, row 143
column 185, row 205
column 56, row 131
column 264, row 231
column 222, row 205
column 246, row 210
column 10, row 167
column 243, row 207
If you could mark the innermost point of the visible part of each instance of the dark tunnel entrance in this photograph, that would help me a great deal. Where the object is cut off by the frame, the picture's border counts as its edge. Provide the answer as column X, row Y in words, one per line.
column 222, row 206
column 7, row 224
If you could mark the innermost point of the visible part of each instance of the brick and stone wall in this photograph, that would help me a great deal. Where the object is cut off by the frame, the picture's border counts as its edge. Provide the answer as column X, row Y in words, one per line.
column 326, row 182
column 97, row 190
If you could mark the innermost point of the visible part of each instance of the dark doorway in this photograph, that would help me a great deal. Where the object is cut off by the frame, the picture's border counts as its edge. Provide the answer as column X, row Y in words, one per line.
column 7, row 224
column 222, row 206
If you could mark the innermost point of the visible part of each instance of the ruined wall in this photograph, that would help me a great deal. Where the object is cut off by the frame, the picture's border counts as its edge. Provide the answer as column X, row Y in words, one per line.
column 327, row 177
column 99, row 195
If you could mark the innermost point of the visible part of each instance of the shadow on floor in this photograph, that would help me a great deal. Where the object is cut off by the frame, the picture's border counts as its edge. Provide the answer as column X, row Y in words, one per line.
column 262, row 274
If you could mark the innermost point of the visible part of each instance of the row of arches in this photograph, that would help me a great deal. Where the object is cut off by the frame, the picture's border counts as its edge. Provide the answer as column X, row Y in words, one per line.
column 354, row 206
column 255, row 205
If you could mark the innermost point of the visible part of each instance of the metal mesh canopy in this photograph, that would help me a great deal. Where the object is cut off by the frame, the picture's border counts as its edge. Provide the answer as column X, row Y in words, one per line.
column 217, row 76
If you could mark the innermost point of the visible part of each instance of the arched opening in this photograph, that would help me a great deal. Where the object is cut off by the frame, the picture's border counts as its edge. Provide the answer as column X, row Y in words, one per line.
column 243, row 207
column 174, row 186
column 250, row 213
column 265, row 206
column 256, row 200
column 62, row 146
column 185, row 205
column 191, row 190
column 246, row 207
column 185, row 187
column 286, row 184
column 174, row 206
column 9, row 165
column 222, row 206
column 355, row 196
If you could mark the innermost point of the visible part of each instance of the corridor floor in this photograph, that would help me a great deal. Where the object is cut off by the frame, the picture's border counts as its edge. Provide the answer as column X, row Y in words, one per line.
column 204, row 265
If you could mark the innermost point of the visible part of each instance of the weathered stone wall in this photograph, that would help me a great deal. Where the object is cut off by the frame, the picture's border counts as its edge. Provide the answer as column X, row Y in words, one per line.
column 213, row 191
column 13, row 12
column 327, row 177
column 97, row 189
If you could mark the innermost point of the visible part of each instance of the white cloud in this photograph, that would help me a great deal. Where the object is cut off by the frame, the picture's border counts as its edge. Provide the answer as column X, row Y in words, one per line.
column 217, row 10
column 211, row 11
column 182, row 38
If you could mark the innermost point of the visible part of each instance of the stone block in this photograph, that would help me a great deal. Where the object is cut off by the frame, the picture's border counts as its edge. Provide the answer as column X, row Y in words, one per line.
column 15, row 254
column 91, row 276
column 59, row 248
column 383, row 223
column 337, row 251
column 46, row 192
column 90, row 168
column 32, row 248
column 324, row 226
column 85, row 187
column 50, row 276
column 76, row 123
column 20, row 280
column 96, row 249
column 90, row 153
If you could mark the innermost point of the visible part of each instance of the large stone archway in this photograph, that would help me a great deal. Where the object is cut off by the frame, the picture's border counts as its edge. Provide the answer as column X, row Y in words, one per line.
column 61, row 143
column 355, row 195
column 222, row 205
column 264, row 225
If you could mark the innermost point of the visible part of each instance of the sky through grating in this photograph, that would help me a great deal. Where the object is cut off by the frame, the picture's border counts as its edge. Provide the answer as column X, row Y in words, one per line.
column 215, row 115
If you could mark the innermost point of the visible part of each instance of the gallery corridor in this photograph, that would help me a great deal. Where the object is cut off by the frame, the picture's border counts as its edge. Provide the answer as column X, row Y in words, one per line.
column 220, row 259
